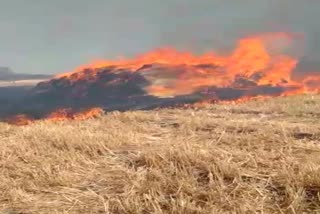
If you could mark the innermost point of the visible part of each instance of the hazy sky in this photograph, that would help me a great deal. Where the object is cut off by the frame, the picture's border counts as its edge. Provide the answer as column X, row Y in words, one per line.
column 52, row 36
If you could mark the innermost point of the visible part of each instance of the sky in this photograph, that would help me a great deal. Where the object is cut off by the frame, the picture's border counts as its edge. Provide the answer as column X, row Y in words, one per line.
column 55, row 36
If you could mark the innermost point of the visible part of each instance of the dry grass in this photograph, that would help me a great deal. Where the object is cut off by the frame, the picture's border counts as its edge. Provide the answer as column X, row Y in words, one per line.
column 257, row 157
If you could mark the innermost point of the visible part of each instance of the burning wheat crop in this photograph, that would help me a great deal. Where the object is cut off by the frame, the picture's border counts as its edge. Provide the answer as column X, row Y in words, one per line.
column 257, row 67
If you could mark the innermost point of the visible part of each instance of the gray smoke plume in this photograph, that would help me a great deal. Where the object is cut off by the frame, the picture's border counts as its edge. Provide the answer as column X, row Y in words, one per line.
column 56, row 36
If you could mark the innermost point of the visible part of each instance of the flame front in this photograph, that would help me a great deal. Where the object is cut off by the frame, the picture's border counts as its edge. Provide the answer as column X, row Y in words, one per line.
column 64, row 114
column 68, row 114
column 251, row 57
column 257, row 61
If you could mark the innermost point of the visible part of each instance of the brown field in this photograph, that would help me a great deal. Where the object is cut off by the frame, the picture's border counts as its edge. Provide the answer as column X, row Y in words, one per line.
column 256, row 157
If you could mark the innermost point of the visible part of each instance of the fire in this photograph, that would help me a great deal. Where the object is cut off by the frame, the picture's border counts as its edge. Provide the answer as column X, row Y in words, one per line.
column 59, row 115
column 312, row 84
column 86, row 114
column 204, row 103
column 20, row 120
column 251, row 57
column 256, row 69
column 69, row 114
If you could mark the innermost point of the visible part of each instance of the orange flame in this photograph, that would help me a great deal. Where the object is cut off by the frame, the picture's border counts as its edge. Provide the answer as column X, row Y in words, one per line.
column 59, row 115
column 68, row 114
column 258, row 59
column 312, row 84
column 20, row 120
column 253, row 54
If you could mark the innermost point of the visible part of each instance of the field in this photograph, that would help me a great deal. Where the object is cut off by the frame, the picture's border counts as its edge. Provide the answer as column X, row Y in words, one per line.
column 255, row 157
column 20, row 83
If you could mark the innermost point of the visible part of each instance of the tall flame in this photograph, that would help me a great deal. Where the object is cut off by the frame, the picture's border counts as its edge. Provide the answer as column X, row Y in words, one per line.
column 251, row 56
column 256, row 61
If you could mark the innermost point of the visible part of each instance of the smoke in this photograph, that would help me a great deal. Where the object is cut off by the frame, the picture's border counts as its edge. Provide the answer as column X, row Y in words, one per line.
column 55, row 36
column 204, row 25
column 161, row 79
column 58, row 35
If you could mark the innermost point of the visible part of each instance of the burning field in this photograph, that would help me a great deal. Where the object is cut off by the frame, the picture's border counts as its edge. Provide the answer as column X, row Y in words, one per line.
column 259, row 66
column 197, row 135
